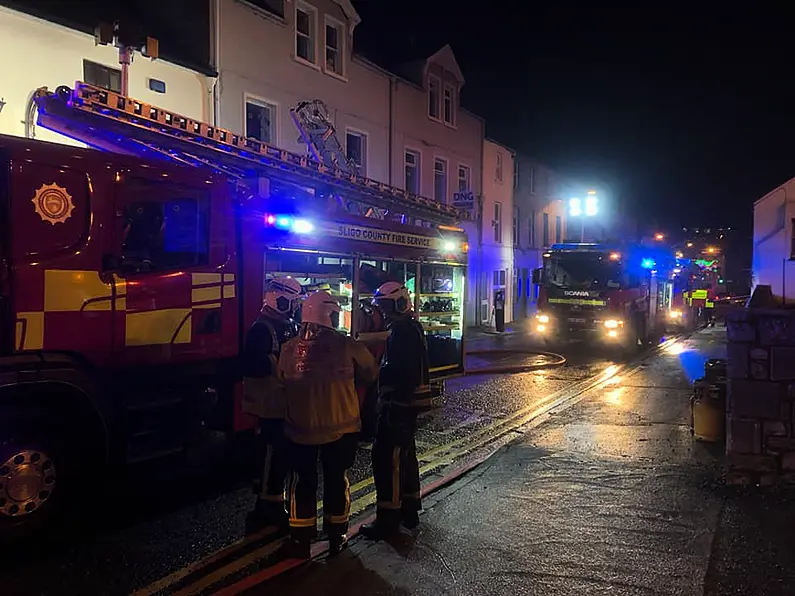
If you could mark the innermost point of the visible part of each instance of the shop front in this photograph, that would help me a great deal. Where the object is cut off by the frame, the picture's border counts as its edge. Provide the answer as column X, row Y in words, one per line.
column 352, row 257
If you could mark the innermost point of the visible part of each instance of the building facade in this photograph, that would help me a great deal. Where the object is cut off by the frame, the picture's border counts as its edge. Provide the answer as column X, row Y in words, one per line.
column 538, row 221
column 774, row 242
column 491, row 265
column 56, row 55
column 405, row 129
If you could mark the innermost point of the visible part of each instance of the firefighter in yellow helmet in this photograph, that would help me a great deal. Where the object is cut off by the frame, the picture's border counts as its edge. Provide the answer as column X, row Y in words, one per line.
column 263, row 398
column 319, row 370
column 404, row 390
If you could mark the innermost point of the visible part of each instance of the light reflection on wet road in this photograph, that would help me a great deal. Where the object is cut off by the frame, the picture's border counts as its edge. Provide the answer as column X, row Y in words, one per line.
column 177, row 512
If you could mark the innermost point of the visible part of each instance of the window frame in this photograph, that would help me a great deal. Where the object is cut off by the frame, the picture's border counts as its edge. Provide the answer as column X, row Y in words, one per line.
column 417, row 168
column 498, row 168
column 438, row 103
column 330, row 21
column 105, row 69
column 365, row 148
column 263, row 103
column 442, row 160
column 497, row 222
column 558, row 229
column 312, row 12
column 166, row 194
column 453, row 116
column 468, row 170
column 532, row 236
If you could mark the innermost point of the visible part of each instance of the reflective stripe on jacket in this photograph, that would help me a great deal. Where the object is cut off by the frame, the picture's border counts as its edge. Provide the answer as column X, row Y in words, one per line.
column 319, row 371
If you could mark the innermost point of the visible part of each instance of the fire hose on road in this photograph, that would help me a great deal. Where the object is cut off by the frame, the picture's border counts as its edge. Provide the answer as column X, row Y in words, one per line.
column 541, row 361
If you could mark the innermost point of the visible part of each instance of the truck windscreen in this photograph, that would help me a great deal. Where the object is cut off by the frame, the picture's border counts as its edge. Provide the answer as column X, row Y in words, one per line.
column 582, row 271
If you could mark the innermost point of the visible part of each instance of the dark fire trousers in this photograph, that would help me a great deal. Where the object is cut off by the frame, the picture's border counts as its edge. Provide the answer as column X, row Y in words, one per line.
column 395, row 466
column 272, row 467
column 336, row 458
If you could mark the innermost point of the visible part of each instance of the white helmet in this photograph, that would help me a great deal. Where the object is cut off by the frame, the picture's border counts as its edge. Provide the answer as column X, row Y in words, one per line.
column 396, row 293
column 321, row 308
column 281, row 294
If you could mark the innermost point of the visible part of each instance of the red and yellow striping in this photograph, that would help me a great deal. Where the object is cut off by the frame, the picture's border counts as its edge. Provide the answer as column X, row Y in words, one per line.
column 157, row 310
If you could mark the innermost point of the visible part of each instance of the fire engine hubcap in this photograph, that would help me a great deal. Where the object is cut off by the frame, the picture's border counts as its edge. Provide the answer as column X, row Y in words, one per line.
column 27, row 480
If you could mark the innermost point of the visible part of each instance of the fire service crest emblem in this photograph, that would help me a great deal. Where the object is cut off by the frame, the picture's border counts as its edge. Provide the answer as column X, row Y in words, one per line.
column 53, row 203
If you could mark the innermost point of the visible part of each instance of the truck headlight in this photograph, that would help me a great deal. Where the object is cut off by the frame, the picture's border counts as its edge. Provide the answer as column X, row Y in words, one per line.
column 613, row 323
column 543, row 318
column 675, row 314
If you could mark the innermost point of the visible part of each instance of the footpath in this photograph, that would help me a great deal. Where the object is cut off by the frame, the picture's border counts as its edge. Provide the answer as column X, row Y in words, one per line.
column 610, row 496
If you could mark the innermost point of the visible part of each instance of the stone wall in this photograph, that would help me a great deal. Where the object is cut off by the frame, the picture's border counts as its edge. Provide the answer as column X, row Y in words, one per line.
column 760, row 442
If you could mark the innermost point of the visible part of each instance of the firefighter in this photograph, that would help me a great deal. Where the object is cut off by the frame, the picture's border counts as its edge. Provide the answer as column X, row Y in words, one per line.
column 319, row 370
column 263, row 398
column 404, row 390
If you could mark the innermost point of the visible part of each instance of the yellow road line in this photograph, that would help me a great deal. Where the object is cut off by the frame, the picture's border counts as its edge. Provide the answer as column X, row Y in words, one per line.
column 448, row 454
column 180, row 574
column 237, row 565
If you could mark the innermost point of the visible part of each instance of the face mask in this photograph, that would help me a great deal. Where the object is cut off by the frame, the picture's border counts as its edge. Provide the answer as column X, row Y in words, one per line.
column 282, row 304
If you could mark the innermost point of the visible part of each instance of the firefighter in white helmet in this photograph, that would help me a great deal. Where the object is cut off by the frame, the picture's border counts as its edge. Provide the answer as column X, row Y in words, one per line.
column 319, row 370
column 263, row 397
column 404, row 390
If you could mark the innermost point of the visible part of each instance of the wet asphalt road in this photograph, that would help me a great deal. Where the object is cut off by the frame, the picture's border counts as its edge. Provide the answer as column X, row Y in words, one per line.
column 611, row 496
column 162, row 517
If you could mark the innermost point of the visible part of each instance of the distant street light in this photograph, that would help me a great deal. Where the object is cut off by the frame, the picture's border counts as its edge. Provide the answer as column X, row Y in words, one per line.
column 591, row 209
column 711, row 250
column 659, row 236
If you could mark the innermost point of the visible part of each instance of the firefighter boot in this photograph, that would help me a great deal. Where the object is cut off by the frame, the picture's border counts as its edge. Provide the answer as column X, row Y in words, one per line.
column 410, row 518
column 267, row 513
column 385, row 526
column 336, row 544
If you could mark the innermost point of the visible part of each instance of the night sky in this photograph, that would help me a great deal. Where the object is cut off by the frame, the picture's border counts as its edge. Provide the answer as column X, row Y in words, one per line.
column 686, row 116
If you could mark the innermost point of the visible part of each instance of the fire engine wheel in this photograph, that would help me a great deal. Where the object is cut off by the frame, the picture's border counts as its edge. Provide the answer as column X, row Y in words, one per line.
column 28, row 479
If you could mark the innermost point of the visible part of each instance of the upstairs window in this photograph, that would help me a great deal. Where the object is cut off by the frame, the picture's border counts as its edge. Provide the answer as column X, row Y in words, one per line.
column 440, row 180
column 434, row 97
column 102, row 76
column 356, row 149
column 261, row 121
column 275, row 7
column 334, row 47
column 531, row 230
column 558, row 229
column 464, row 178
column 448, row 107
column 497, row 223
column 412, row 172
column 305, row 32
column 498, row 168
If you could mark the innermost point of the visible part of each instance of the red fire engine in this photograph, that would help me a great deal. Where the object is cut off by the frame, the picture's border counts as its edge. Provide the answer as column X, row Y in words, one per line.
column 127, row 284
column 614, row 294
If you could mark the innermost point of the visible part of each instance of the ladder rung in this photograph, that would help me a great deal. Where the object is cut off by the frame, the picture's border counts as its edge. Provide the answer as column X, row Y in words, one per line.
column 192, row 134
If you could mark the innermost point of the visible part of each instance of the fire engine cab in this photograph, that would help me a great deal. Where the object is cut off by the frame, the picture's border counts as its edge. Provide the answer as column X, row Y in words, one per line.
column 130, row 276
column 614, row 294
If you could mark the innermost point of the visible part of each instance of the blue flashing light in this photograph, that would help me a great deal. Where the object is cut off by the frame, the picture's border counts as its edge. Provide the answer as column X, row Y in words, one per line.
column 647, row 263
column 290, row 224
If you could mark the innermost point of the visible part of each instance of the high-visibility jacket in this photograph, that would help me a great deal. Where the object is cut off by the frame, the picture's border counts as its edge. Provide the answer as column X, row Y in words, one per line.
column 262, row 395
column 319, row 370
column 404, row 379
